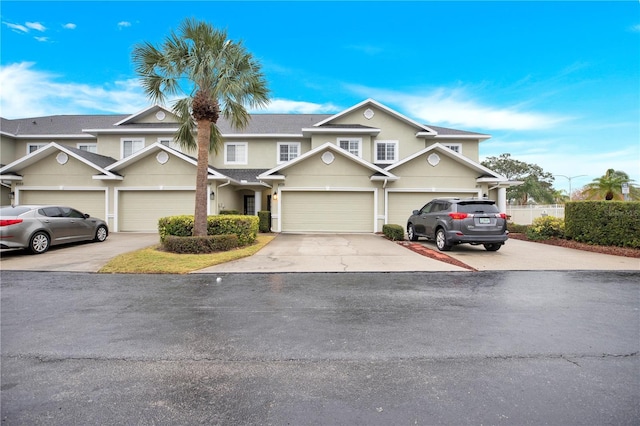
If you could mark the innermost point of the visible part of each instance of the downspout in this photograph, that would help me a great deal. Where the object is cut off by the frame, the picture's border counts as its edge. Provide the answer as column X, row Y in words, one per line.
column 218, row 192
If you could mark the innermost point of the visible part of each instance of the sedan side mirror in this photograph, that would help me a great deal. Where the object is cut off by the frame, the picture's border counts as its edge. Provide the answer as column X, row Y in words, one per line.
column 415, row 212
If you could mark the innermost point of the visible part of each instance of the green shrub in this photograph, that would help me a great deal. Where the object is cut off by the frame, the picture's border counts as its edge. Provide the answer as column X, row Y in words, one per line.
column 265, row 221
column 607, row 223
column 179, row 226
column 244, row 227
column 544, row 228
column 229, row 212
column 200, row 245
column 393, row 232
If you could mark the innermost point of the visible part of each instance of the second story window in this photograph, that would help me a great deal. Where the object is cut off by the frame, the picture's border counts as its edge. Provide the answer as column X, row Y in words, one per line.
column 352, row 145
column 34, row 147
column 455, row 147
column 131, row 146
column 170, row 143
column 288, row 151
column 89, row 147
column 235, row 153
column 386, row 151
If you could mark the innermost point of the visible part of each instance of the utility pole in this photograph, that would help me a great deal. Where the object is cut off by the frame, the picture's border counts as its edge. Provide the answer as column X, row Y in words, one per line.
column 569, row 178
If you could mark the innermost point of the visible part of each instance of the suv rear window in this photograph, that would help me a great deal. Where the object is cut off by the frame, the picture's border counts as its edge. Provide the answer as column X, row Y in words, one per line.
column 477, row 208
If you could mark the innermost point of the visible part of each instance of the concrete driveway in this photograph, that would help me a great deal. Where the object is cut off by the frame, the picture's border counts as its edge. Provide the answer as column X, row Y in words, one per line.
column 331, row 253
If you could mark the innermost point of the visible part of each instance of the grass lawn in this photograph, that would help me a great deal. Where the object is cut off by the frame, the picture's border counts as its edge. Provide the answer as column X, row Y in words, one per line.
column 152, row 260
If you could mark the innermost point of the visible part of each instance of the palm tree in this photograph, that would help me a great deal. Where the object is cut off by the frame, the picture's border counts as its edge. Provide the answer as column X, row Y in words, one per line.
column 609, row 186
column 215, row 77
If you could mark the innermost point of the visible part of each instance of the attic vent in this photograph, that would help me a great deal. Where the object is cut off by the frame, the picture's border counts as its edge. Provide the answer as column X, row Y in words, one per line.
column 162, row 157
column 160, row 115
column 328, row 157
column 368, row 114
column 433, row 159
column 62, row 158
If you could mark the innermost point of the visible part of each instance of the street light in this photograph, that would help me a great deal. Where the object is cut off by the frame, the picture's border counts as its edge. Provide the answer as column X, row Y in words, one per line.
column 569, row 179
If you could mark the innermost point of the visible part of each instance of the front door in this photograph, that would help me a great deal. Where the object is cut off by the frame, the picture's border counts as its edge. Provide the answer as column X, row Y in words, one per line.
column 250, row 205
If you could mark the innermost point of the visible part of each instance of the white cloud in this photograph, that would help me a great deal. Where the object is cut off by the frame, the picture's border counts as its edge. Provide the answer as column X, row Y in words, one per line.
column 282, row 106
column 69, row 26
column 123, row 24
column 28, row 92
column 42, row 39
column 636, row 28
column 36, row 26
column 17, row 27
column 455, row 107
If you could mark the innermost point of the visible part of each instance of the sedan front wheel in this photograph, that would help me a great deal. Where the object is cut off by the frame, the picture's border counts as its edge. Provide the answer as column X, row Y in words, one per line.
column 411, row 233
column 101, row 234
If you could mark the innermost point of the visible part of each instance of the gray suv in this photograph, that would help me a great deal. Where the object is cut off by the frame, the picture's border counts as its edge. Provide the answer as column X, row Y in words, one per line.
column 451, row 221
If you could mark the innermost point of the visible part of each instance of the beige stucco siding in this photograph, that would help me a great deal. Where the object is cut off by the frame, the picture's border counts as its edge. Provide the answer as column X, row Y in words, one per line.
column 314, row 173
column 448, row 173
column 8, row 150
column 48, row 172
column 148, row 171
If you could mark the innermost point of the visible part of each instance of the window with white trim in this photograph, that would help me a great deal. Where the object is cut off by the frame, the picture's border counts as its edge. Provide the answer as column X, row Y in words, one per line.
column 287, row 151
column 386, row 152
column 89, row 147
column 353, row 145
column 235, row 153
column 34, row 147
column 131, row 146
column 455, row 147
column 170, row 143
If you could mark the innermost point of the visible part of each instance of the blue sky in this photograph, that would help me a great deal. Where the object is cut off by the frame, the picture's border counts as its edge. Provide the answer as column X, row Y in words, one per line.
column 556, row 84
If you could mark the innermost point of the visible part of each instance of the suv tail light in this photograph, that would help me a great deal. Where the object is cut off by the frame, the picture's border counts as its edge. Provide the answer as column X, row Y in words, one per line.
column 501, row 215
column 7, row 222
column 458, row 216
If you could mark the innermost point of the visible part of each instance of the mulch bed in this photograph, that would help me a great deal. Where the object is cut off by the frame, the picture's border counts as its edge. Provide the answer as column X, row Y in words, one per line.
column 612, row 250
column 434, row 254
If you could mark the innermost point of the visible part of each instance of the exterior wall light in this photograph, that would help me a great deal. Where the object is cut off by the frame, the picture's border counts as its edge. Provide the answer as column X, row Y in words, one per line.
column 212, row 196
column 275, row 196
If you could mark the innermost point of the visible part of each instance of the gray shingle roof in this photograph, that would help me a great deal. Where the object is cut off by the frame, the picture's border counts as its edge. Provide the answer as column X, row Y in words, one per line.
column 259, row 124
column 97, row 159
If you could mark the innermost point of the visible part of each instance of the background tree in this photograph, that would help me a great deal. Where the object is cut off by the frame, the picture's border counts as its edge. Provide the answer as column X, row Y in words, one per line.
column 537, row 184
column 211, row 76
column 609, row 187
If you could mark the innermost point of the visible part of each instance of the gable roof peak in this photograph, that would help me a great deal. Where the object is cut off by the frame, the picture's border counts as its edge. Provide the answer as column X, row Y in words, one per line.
column 423, row 129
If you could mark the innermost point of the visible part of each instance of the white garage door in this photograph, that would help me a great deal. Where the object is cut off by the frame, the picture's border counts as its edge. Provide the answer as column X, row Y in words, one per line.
column 90, row 202
column 327, row 211
column 402, row 204
column 139, row 211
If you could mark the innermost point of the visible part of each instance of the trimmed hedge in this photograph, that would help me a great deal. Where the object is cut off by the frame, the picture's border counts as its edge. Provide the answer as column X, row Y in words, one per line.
column 200, row 245
column 265, row 221
column 393, row 232
column 244, row 227
column 607, row 223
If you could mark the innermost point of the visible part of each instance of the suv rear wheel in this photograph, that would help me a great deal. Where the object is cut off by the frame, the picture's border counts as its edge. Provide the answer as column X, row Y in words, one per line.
column 441, row 240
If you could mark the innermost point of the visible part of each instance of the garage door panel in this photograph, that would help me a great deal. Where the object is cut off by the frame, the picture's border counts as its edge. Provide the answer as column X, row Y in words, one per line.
column 90, row 202
column 139, row 211
column 327, row 211
column 402, row 204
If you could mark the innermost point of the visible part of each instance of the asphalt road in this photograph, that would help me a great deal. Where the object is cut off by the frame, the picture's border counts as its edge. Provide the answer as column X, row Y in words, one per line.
column 525, row 348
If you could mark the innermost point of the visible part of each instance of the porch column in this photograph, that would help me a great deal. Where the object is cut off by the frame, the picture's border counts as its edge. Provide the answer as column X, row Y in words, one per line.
column 258, row 201
column 502, row 200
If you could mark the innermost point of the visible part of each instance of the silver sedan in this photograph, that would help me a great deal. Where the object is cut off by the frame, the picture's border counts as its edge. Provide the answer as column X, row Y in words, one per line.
column 38, row 227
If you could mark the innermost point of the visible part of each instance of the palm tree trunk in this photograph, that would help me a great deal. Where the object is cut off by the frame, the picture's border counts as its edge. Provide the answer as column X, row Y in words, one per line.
column 200, row 216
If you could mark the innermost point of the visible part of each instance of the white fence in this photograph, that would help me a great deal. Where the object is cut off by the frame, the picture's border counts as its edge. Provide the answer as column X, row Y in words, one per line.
column 524, row 215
